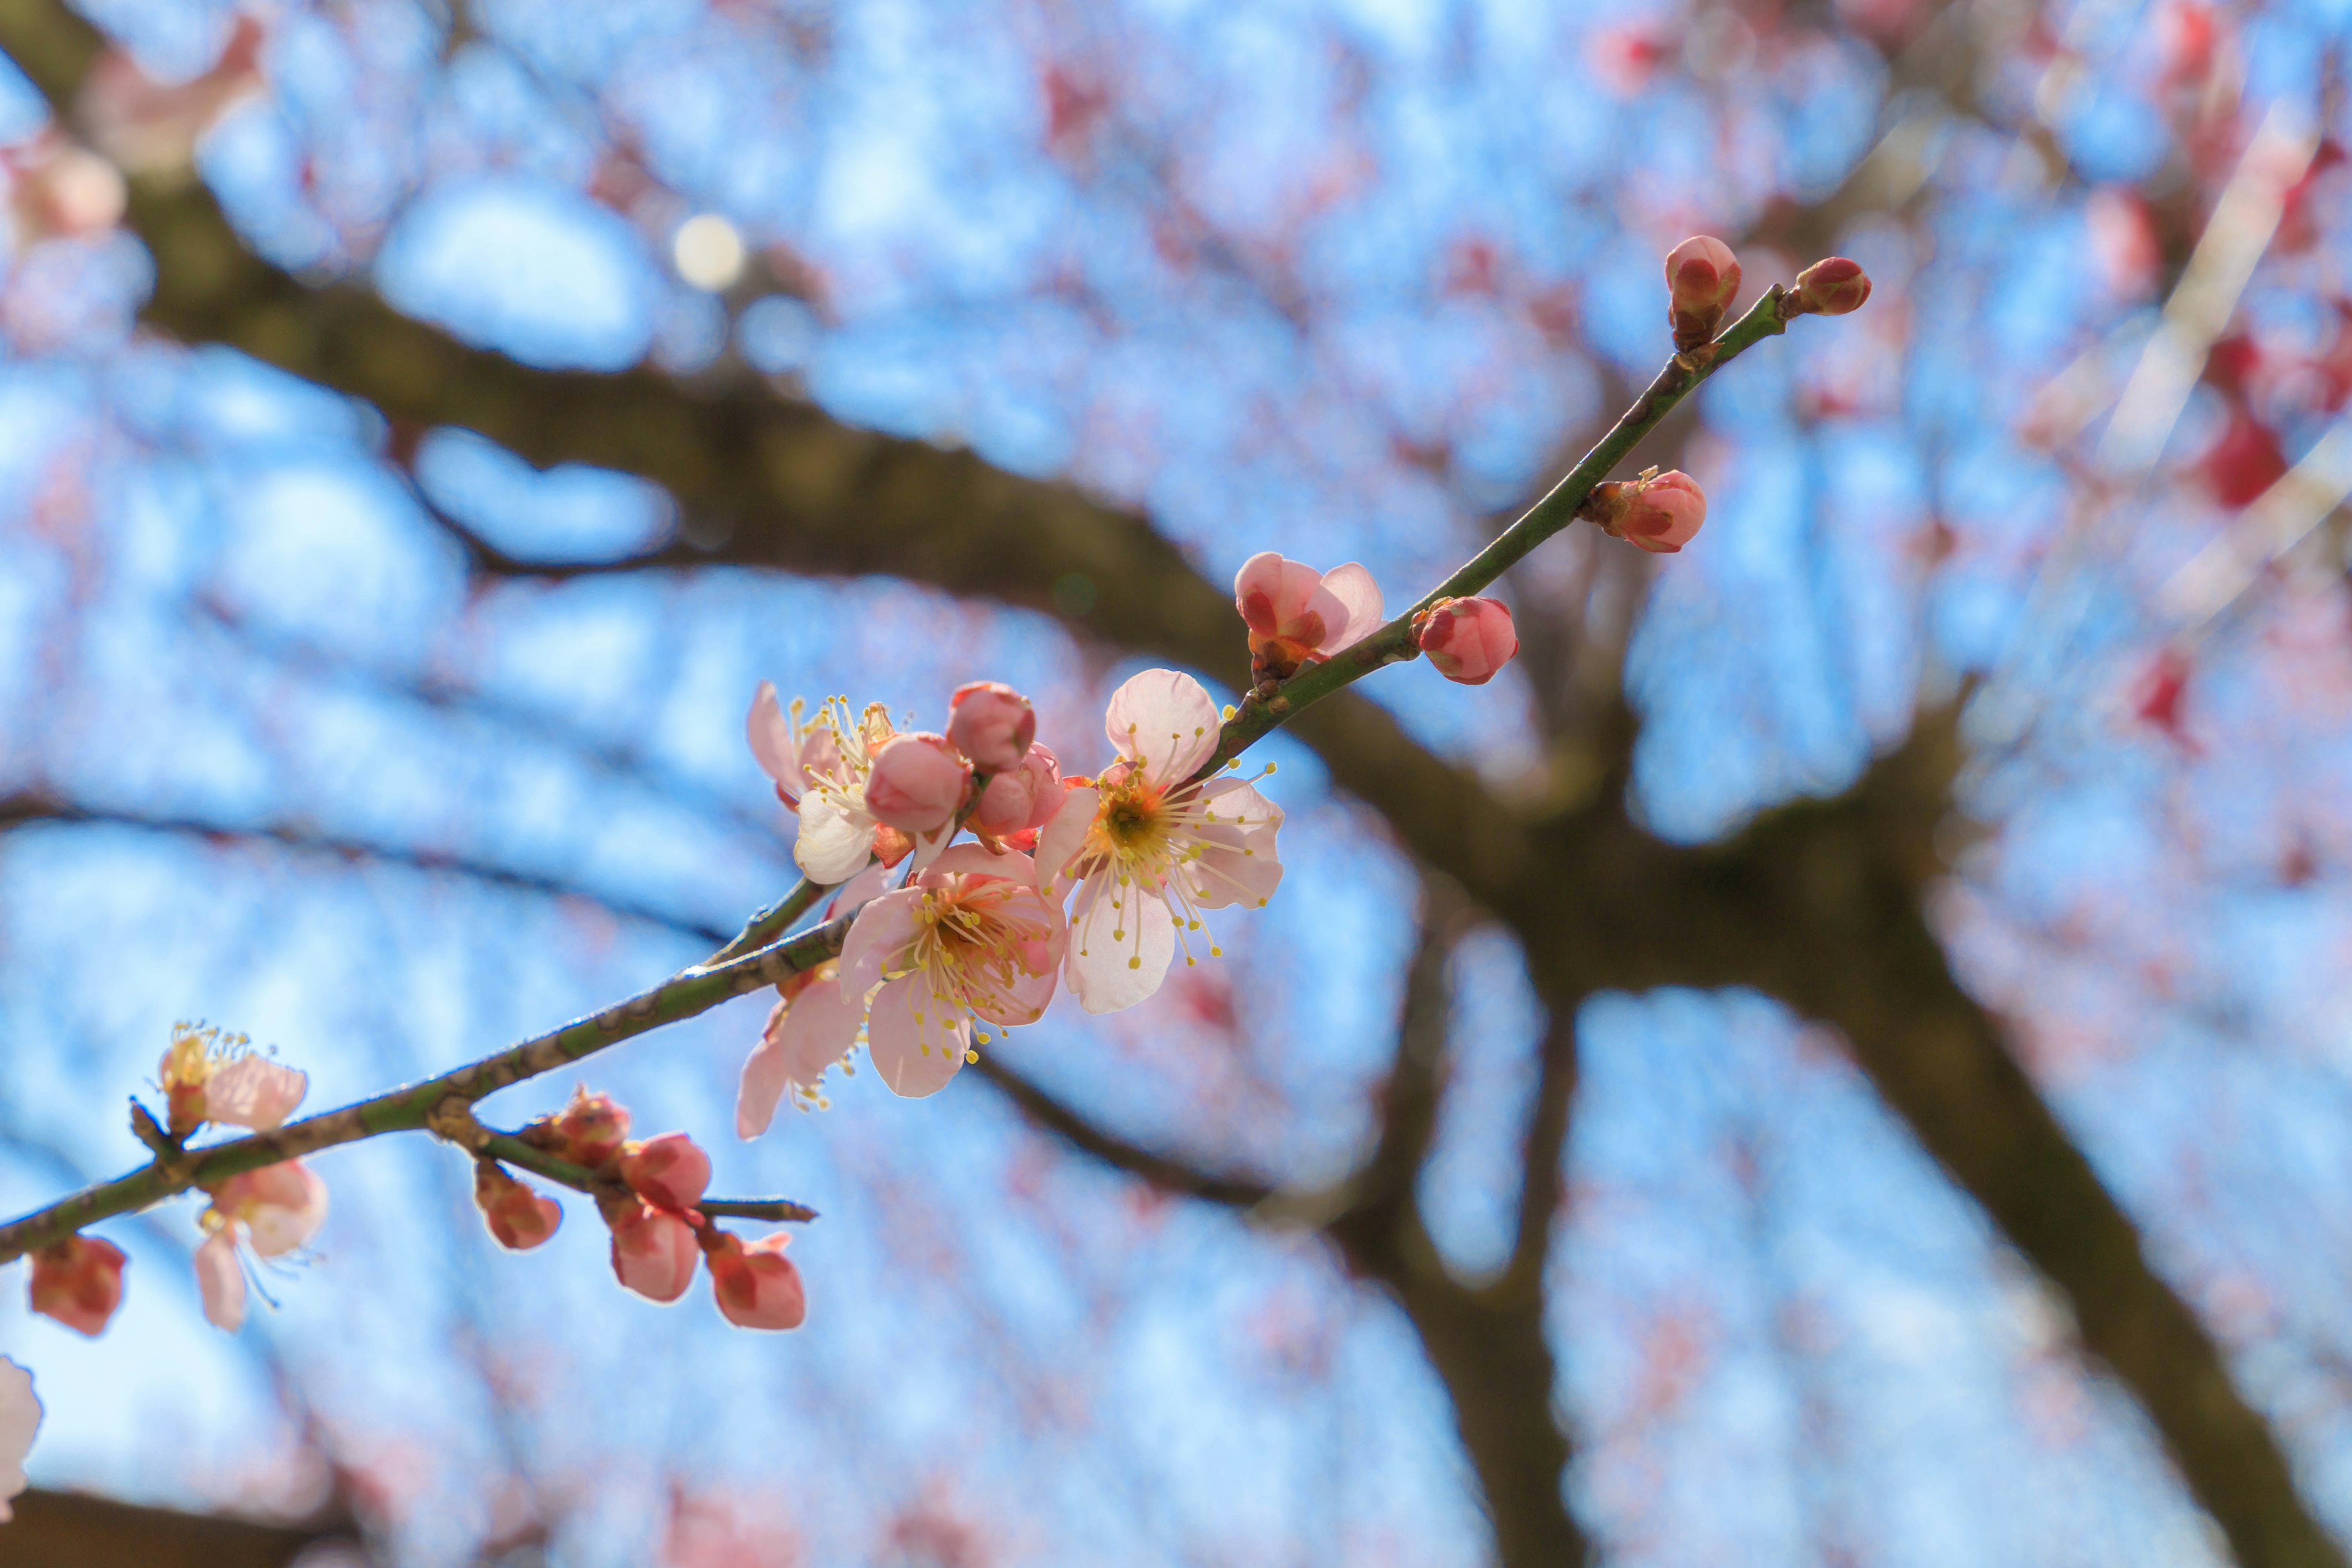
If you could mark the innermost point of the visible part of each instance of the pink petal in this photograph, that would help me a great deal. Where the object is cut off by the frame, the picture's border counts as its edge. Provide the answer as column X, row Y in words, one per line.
column 1065, row 836
column 820, row 1028
column 20, row 1420
column 654, row 1252
column 291, row 1213
column 255, row 1092
column 1360, row 597
column 883, row 931
column 1164, row 719
column 757, row 1287
column 858, row 891
column 771, row 735
column 979, row 860
column 220, row 1281
column 917, row 1039
column 766, row 1071
column 1116, row 961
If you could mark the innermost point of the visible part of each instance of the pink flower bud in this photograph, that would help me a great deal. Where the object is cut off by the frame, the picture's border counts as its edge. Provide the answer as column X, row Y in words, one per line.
column 757, row 1286
column 670, row 1172
column 1663, row 514
column 518, row 1217
column 589, row 1130
column 1702, row 279
column 1830, row 288
column 1023, row 799
column 653, row 1252
column 991, row 725
column 1469, row 639
column 79, row 1281
column 918, row 783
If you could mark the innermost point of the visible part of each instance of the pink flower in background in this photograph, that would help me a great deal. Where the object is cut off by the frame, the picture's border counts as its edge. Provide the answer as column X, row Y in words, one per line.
column 971, row 937
column 757, row 1287
column 1702, row 280
column 273, row 1210
column 1296, row 615
column 991, row 724
column 1467, row 640
column 78, row 1282
column 1016, row 804
column 919, row 783
column 519, row 1218
column 1148, row 848
column 20, row 1421
column 57, row 190
column 211, row 1077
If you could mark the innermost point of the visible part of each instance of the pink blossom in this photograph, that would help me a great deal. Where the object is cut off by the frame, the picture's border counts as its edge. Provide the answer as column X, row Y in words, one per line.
column 20, row 1420
column 1016, row 804
column 919, row 783
column 840, row 828
column 1660, row 512
column 812, row 1025
column 57, row 190
column 1467, row 640
column 1296, row 615
column 790, row 751
column 589, row 1130
column 1702, row 279
column 211, row 1077
column 275, row 1210
column 78, row 1282
column 990, row 725
column 757, row 1286
column 1830, row 288
column 519, row 1218
column 969, row 937
column 670, row 1172
column 1147, row 840
column 652, row 1251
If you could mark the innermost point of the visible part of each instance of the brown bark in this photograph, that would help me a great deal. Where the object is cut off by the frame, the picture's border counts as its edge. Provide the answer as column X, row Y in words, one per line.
column 69, row 1530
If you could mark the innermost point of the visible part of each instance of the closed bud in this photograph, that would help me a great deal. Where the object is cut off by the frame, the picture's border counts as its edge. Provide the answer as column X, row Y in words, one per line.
column 78, row 1282
column 1829, row 288
column 1023, row 799
column 991, row 725
column 670, row 1172
column 918, row 783
column 757, row 1287
column 519, row 1218
column 1662, row 513
column 1702, row 279
column 1467, row 640
column 589, row 1130
column 653, row 1252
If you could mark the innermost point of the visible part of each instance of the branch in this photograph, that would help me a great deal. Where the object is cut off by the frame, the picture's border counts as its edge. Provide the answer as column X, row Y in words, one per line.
column 1165, row 1172
column 455, row 1123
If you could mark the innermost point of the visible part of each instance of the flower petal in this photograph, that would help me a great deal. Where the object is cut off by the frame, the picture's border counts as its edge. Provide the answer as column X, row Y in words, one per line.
column 255, row 1092
column 835, row 842
column 820, row 1028
column 220, row 1281
column 1352, row 585
column 917, row 1039
column 1121, row 940
column 771, row 735
column 1164, row 719
column 765, row 1072
column 1065, row 836
column 20, row 1419
column 858, row 891
column 883, row 930
column 979, row 860
column 291, row 1216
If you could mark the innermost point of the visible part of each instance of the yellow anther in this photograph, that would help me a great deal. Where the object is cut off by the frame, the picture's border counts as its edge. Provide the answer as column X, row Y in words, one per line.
column 971, row 1055
column 1135, row 962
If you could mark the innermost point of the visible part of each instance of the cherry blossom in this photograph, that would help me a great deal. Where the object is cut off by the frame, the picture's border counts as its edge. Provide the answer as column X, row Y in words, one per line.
column 1660, row 512
column 211, row 1077
column 969, row 937
column 1147, row 839
column 757, row 1287
column 919, row 783
column 670, row 1172
column 790, row 750
column 1296, row 615
column 1467, row 640
column 991, row 724
column 78, row 1282
column 589, row 1130
column 1702, row 279
column 823, row 768
column 1015, row 804
column 20, row 1419
column 1829, row 288
column 519, row 1218
column 653, row 1250
column 57, row 190
column 275, row 1209
column 811, row 1026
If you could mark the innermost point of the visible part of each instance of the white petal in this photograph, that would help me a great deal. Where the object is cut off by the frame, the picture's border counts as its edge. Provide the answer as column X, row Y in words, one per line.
column 1063, row 836
column 1237, row 866
column 771, row 735
column 917, row 1040
column 834, row 840
column 1121, row 940
column 20, row 1418
column 220, row 1281
column 1165, row 720
column 1352, row 585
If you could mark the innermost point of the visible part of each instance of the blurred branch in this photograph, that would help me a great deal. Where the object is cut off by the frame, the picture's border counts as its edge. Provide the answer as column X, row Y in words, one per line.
column 1543, row 1178
column 1165, row 1172
column 53, row 1529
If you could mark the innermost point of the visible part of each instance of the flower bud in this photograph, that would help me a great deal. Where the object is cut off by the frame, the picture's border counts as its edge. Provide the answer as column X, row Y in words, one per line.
column 1829, row 288
column 1023, row 799
column 653, row 1252
column 757, row 1286
column 1702, row 279
column 1663, row 514
column 1467, row 640
column 670, row 1172
column 519, row 1218
column 589, row 1130
column 991, row 725
column 78, row 1282
column 918, row 782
